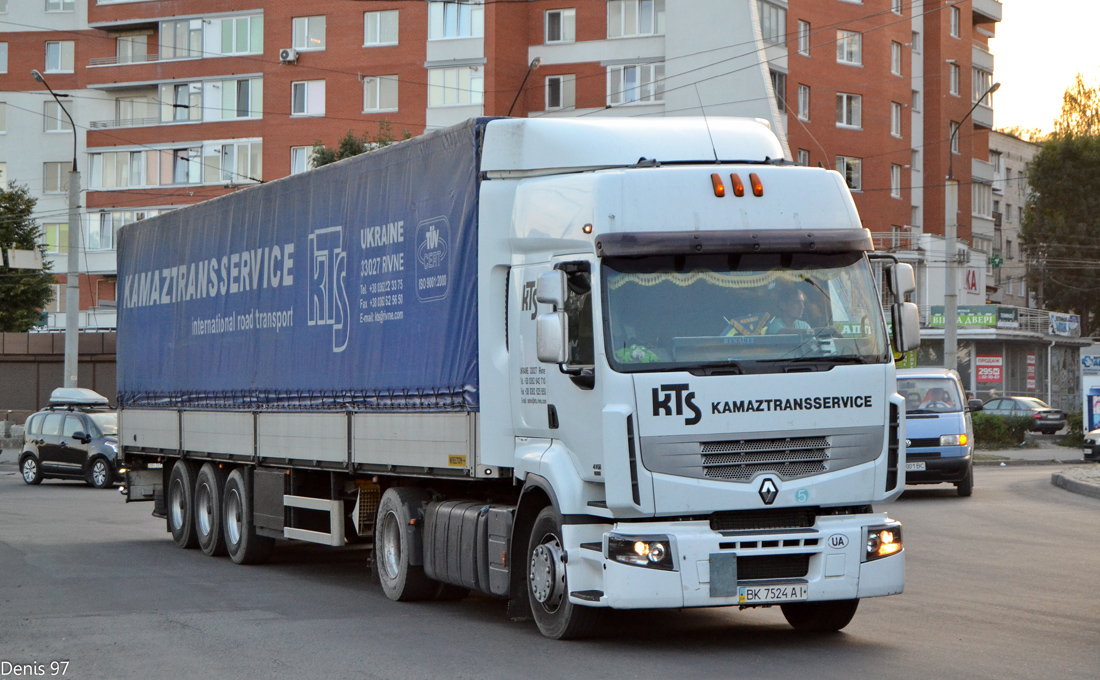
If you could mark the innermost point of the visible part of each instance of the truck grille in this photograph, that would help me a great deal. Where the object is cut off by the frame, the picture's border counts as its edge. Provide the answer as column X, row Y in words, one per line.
column 789, row 457
column 760, row 567
column 760, row 520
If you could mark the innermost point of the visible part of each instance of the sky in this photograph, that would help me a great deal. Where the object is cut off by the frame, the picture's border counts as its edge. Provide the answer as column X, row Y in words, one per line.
column 1041, row 45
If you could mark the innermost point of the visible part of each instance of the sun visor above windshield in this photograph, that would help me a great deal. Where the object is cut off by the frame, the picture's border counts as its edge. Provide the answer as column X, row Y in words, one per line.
column 635, row 244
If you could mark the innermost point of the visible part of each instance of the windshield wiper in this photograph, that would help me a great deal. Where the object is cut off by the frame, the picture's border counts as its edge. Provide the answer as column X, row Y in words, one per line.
column 730, row 367
column 830, row 359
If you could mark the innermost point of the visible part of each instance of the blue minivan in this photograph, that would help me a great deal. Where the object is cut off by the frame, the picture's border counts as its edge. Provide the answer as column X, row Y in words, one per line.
column 939, row 437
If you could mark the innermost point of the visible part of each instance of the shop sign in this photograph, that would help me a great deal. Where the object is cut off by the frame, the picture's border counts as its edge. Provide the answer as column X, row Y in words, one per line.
column 988, row 368
column 1065, row 324
column 1031, row 371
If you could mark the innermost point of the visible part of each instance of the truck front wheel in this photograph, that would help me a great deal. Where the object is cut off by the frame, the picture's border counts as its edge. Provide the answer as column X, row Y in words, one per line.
column 181, row 503
column 393, row 545
column 547, row 588
column 820, row 617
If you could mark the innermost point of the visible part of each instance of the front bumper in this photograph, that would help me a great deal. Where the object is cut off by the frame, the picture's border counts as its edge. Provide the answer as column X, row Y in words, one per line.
column 1091, row 452
column 826, row 559
column 946, row 464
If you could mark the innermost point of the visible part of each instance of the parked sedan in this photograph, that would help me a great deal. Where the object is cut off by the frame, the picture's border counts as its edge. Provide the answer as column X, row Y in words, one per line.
column 1092, row 446
column 1043, row 418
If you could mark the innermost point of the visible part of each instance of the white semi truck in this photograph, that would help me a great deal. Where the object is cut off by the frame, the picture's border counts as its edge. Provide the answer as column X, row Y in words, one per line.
column 575, row 363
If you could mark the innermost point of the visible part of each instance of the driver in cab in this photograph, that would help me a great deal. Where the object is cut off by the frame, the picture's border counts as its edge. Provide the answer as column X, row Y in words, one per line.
column 790, row 304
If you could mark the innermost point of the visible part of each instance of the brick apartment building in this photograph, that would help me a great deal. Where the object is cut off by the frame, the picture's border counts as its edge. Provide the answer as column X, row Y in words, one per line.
column 179, row 101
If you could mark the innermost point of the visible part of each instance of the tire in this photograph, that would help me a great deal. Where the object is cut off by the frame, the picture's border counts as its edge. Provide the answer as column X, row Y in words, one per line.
column 30, row 470
column 101, row 474
column 547, row 589
column 820, row 617
column 181, row 503
column 966, row 485
column 401, row 581
column 209, row 485
column 241, row 541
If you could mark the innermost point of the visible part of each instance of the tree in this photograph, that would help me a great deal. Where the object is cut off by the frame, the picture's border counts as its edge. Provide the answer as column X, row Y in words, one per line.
column 353, row 145
column 23, row 292
column 1080, row 110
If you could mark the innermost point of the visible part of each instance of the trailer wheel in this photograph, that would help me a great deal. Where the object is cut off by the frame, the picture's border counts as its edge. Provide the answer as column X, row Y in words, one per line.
column 208, row 509
column 547, row 589
column 820, row 617
column 181, row 503
column 241, row 541
column 401, row 581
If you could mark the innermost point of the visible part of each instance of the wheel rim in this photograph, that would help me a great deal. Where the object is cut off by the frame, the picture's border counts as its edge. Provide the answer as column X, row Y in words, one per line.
column 233, row 516
column 175, row 509
column 99, row 473
column 547, row 573
column 30, row 470
column 391, row 545
column 205, row 503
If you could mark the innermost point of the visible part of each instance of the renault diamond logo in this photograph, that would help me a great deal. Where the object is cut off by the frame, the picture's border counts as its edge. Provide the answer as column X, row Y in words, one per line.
column 768, row 491
column 908, row 442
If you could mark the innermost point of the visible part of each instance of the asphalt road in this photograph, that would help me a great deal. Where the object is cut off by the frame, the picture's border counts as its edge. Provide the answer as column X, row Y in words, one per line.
column 999, row 585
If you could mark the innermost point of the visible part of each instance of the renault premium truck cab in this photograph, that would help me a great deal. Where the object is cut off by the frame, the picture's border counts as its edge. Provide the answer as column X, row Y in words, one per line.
column 578, row 364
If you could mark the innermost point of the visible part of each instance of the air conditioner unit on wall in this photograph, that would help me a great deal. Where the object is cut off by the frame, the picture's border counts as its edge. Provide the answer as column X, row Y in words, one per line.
column 288, row 55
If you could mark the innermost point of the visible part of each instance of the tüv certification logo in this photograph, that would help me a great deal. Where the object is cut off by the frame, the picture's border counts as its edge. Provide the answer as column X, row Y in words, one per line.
column 433, row 239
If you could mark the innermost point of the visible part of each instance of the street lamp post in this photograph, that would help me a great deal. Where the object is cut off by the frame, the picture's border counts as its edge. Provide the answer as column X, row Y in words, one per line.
column 951, row 226
column 72, row 275
column 535, row 63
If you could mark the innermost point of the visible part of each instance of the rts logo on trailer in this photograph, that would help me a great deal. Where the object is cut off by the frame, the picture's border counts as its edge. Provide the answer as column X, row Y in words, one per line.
column 328, row 297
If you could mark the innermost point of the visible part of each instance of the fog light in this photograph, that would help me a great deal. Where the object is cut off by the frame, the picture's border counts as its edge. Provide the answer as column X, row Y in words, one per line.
column 654, row 552
column 882, row 541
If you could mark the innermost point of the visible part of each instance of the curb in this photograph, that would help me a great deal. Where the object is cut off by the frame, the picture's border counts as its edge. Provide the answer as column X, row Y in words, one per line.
column 1083, row 488
column 1015, row 462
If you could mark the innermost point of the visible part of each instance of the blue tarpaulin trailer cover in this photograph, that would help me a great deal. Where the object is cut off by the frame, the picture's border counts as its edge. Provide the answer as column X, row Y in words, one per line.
column 349, row 287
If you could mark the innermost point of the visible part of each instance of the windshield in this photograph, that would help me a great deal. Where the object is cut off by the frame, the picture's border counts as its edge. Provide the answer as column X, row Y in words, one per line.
column 106, row 422
column 1033, row 403
column 744, row 312
column 930, row 395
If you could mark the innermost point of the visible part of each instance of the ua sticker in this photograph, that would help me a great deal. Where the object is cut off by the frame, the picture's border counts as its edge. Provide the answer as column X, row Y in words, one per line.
column 768, row 491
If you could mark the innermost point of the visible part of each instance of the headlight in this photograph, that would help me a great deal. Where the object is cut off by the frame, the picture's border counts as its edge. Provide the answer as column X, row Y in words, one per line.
column 654, row 552
column 112, row 446
column 953, row 440
column 882, row 541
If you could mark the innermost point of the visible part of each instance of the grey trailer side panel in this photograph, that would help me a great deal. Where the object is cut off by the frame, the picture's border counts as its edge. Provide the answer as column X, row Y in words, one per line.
column 227, row 433
column 430, row 440
column 303, row 436
column 150, row 429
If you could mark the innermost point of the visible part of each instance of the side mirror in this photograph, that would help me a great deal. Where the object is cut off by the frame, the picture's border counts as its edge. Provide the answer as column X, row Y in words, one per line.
column 975, row 405
column 551, row 289
column 906, row 320
column 551, row 335
column 902, row 280
column 81, row 437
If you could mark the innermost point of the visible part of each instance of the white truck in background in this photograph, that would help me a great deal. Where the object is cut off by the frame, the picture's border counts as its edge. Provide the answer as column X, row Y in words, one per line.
column 549, row 360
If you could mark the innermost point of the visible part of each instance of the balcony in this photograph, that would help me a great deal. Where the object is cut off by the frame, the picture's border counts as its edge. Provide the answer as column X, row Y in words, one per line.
column 131, row 122
column 981, row 57
column 119, row 61
column 981, row 171
column 986, row 10
column 894, row 241
column 983, row 118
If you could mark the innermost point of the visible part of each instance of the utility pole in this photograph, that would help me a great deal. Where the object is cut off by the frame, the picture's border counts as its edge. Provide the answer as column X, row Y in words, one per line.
column 950, row 233
column 72, row 274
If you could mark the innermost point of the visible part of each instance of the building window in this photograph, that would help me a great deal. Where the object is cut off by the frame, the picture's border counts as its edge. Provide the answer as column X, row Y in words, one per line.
column 55, row 177
column 954, row 136
column 956, row 17
column 1020, row 214
column 804, row 158
column 804, row 38
column 462, row 86
column 983, row 80
column 234, row 162
column 308, row 33
column 99, row 234
column 379, row 93
column 850, row 168
column 635, row 83
column 804, row 102
column 773, row 23
column 239, row 35
column 59, row 5
column 301, row 159
column 895, row 58
column 380, row 28
column 779, row 86
column 1008, row 212
column 457, row 19
column 180, row 102
column 848, row 110
column 307, row 98
column 59, row 56
column 239, row 99
column 953, row 71
column 131, row 48
column 895, row 6
column 917, row 47
column 895, row 181
column 849, row 48
column 1008, row 249
column 917, row 99
column 895, row 119
column 57, row 238
column 121, row 169
column 183, row 39
column 628, row 18
column 915, row 160
column 3, row 57
column 3, row 129
column 56, row 120
column 561, row 92
column 914, row 216
column 561, row 25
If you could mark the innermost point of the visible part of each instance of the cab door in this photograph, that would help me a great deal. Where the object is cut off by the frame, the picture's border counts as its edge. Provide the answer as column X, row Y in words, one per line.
column 559, row 402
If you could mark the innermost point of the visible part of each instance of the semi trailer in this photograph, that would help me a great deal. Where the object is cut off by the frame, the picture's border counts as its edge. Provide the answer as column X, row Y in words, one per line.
column 575, row 363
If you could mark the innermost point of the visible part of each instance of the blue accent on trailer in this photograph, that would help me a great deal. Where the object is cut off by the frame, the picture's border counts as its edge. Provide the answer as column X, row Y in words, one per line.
column 349, row 287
